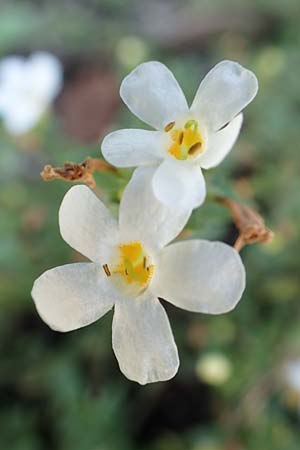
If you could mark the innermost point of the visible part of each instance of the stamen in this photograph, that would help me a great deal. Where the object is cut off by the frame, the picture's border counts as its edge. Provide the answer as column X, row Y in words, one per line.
column 195, row 148
column 131, row 269
column 106, row 270
column 169, row 127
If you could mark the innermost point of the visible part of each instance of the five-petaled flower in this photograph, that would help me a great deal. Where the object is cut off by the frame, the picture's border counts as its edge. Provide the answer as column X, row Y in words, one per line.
column 131, row 269
column 27, row 87
column 187, row 139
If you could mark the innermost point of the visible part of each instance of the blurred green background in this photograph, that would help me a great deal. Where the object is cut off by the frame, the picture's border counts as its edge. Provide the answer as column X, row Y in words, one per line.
column 65, row 391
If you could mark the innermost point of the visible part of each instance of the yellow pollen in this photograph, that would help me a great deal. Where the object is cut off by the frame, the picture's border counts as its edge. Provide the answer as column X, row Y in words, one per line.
column 133, row 267
column 185, row 143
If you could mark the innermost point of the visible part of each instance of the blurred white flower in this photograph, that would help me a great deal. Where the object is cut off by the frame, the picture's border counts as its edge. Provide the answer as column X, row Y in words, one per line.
column 292, row 375
column 187, row 139
column 131, row 50
column 27, row 88
column 131, row 268
column 214, row 368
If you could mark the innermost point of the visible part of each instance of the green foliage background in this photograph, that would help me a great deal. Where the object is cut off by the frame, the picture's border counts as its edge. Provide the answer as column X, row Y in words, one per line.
column 65, row 392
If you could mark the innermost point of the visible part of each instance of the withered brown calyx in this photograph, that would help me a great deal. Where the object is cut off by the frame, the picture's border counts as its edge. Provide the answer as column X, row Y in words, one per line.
column 77, row 172
column 250, row 224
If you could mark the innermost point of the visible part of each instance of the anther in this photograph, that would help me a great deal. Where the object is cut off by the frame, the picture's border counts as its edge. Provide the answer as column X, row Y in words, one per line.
column 106, row 270
column 169, row 127
column 144, row 262
column 194, row 148
column 180, row 138
column 126, row 272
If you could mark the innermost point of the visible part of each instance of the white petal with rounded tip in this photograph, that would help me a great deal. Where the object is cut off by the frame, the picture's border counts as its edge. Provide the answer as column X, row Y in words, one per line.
column 143, row 341
column 152, row 93
column 129, row 148
column 72, row 296
column 200, row 276
column 143, row 217
column 219, row 144
column 179, row 185
column 86, row 224
column 224, row 92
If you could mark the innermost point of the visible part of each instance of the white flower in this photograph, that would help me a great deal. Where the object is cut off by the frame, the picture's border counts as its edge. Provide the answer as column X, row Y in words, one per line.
column 214, row 368
column 27, row 87
column 131, row 268
column 187, row 139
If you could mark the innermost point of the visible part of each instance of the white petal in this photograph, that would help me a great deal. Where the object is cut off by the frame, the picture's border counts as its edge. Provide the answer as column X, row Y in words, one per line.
column 129, row 148
column 200, row 276
column 143, row 217
column 72, row 296
column 220, row 143
column 179, row 185
column 223, row 93
column 143, row 341
column 152, row 93
column 86, row 224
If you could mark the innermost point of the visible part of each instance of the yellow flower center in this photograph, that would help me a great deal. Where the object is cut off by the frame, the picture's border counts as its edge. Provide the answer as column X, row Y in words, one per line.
column 186, row 142
column 133, row 269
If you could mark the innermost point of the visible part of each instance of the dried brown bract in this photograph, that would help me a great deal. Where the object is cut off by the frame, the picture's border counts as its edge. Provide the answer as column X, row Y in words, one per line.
column 77, row 172
column 250, row 224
